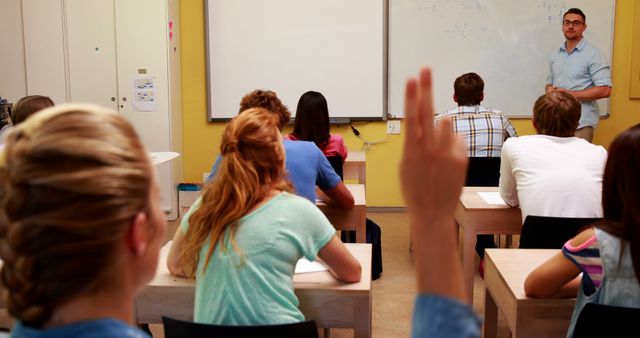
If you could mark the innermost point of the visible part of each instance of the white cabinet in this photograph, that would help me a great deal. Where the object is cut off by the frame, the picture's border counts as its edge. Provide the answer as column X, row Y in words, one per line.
column 97, row 51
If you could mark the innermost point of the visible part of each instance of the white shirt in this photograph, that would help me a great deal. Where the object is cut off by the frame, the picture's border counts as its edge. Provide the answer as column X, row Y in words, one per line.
column 552, row 176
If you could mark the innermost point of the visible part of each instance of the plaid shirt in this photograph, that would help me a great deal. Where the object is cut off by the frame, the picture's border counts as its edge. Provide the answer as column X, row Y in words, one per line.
column 484, row 130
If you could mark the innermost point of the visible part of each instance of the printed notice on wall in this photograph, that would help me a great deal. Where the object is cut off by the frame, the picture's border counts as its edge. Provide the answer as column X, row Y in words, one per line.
column 144, row 93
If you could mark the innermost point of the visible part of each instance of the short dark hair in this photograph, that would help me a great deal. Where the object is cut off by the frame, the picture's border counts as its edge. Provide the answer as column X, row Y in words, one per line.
column 557, row 114
column 268, row 100
column 468, row 89
column 28, row 106
column 576, row 11
column 312, row 119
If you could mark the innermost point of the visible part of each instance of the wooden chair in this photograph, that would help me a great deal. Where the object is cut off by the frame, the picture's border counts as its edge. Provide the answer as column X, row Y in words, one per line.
column 540, row 232
column 597, row 320
column 174, row 328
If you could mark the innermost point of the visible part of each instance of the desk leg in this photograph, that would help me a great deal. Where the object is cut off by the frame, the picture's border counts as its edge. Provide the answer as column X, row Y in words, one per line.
column 468, row 257
column 362, row 174
column 362, row 325
column 361, row 232
column 490, row 327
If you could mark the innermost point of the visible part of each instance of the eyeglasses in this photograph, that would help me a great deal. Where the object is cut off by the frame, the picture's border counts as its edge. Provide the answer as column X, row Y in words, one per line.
column 574, row 23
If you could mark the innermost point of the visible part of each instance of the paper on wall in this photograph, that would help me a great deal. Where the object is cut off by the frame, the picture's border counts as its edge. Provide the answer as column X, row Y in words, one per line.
column 144, row 93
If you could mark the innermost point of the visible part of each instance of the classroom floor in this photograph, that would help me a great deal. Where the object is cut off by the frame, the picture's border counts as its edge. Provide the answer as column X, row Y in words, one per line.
column 393, row 293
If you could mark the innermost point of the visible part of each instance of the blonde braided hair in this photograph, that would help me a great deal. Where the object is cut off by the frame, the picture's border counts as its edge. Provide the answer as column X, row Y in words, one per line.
column 72, row 177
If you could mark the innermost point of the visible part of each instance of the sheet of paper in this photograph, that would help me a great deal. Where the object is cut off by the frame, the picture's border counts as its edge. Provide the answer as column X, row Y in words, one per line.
column 492, row 197
column 144, row 93
column 306, row 266
column 159, row 157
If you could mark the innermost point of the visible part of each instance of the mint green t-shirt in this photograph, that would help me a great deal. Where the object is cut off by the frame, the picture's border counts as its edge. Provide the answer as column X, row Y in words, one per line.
column 257, row 289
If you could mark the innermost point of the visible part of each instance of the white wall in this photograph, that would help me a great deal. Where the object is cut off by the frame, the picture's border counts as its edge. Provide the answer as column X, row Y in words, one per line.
column 13, row 81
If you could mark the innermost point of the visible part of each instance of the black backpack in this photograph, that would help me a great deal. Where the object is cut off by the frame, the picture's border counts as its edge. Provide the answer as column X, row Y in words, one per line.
column 374, row 237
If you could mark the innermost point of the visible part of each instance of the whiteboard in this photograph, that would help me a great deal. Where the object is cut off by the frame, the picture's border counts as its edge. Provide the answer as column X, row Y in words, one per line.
column 336, row 47
column 507, row 42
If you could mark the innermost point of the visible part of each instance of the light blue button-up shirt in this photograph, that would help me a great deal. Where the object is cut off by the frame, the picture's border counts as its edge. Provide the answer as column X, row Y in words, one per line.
column 583, row 68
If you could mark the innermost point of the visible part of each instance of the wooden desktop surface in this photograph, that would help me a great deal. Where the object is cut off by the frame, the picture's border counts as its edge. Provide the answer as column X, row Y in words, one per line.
column 505, row 273
column 475, row 216
column 322, row 297
column 355, row 167
column 353, row 219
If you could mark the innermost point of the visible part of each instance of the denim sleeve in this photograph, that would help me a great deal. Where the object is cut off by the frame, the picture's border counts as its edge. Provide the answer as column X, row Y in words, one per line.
column 214, row 169
column 440, row 317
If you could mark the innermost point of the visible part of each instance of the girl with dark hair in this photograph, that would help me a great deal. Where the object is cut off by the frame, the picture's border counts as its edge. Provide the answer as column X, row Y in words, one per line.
column 312, row 124
column 608, row 253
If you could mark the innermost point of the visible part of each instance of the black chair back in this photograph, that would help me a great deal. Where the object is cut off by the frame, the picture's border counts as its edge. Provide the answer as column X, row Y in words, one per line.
column 483, row 172
column 336, row 163
column 597, row 320
column 551, row 232
column 174, row 328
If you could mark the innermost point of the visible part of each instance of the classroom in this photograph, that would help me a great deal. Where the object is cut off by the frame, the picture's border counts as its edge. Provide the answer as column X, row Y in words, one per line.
column 198, row 139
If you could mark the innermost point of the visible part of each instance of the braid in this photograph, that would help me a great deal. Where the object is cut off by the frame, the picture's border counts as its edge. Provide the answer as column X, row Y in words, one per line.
column 70, row 187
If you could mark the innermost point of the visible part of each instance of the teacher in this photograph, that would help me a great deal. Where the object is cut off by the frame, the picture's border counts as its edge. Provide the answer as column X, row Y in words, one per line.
column 580, row 69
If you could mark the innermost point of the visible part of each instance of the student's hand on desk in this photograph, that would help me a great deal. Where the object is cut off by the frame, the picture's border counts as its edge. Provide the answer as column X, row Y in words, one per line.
column 434, row 161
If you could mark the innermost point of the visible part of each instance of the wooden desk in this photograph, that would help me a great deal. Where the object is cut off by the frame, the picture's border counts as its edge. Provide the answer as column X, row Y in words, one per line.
column 324, row 299
column 355, row 167
column 505, row 272
column 354, row 219
column 475, row 217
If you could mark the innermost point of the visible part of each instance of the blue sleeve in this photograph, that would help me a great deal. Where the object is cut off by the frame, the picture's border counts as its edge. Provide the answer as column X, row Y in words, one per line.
column 327, row 177
column 550, row 79
column 599, row 70
column 440, row 317
column 214, row 169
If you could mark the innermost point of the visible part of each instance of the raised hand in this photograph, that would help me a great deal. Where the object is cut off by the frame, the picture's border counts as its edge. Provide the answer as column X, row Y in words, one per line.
column 433, row 166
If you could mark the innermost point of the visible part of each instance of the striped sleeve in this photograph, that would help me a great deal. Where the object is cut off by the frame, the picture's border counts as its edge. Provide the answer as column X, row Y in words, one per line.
column 587, row 257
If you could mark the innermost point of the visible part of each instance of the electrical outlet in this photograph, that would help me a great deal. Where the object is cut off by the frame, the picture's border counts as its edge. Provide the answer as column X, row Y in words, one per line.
column 393, row 127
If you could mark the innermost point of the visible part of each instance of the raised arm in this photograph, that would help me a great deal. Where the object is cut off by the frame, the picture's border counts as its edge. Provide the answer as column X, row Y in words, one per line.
column 432, row 172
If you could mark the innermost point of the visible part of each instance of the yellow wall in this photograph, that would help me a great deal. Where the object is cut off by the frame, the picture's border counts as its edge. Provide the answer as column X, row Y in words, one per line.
column 202, row 139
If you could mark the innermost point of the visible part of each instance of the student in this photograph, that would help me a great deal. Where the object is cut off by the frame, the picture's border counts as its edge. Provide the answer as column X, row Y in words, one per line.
column 484, row 131
column 608, row 253
column 306, row 166
column 553, row 173
column 28, row 106
column 312, row 124
column 432, row 172
column 80, row 224
column 243, row 239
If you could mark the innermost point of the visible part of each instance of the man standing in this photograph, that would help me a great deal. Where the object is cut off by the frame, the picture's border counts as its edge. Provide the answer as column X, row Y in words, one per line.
column 580, row 69
column 554, row 173
column 484, row 131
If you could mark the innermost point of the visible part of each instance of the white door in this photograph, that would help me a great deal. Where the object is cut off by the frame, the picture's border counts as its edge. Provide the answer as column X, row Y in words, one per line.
column 44, row 44
column 142, row 56
column 91, row 40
